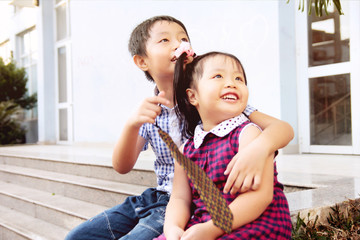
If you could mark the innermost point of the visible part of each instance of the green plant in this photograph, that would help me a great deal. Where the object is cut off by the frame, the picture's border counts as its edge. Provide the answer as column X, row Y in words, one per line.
column 13, row 97
column 342, row 223
column 13, row 86
column 319, row 6
column 11, row 131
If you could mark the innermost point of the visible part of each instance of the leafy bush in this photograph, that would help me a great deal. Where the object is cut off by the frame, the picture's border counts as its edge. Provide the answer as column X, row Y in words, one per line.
column 11, row 131
column 13, row 97
column 342, row 223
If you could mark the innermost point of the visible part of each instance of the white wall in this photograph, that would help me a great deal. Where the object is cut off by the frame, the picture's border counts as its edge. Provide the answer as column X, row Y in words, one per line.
column 107, row 86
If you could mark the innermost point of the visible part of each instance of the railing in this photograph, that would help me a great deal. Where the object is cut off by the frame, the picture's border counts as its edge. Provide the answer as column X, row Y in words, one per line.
column 338, row 117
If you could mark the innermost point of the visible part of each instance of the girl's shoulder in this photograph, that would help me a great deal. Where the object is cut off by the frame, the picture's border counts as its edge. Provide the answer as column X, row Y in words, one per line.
column 188, row 143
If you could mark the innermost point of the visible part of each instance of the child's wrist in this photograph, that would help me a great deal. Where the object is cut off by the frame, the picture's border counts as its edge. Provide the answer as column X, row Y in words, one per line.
column 215, row 231
column 132, row 123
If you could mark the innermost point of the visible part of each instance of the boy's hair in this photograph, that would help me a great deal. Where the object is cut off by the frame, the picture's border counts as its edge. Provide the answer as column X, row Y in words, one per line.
column 185, row 78
column 141, row 34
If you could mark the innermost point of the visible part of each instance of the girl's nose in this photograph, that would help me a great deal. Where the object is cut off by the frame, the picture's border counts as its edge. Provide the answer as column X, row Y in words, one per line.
column 230, row 83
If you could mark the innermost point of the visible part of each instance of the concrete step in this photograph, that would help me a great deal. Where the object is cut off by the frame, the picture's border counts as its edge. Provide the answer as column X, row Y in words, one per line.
column 97, row 191
column 47, row 190
column 96, row 167
column 15, row 225
column 59, row 210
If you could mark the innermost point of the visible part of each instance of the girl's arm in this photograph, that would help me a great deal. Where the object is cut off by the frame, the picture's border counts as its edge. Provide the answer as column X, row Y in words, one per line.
column 130, row 143
column 178, row 209
column 248, row 206
column 245, row 170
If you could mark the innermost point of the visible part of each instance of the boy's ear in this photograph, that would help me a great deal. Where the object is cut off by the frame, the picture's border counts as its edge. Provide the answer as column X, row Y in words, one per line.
column 140, row 62
column 192, row 96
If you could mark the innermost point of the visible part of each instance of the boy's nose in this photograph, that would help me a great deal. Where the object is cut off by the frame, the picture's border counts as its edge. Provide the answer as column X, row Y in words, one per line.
column 177, row 44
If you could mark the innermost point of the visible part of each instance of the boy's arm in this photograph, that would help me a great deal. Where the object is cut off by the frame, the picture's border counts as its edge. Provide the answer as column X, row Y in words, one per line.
column 127, row 148
column 178, row 209
column 130, row 143
column 245, row 170
column 248, row 206
column 276, row 133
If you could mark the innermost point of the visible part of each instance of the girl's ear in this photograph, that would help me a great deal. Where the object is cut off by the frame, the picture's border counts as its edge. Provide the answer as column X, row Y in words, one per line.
column 191, row 94
column 141, row 62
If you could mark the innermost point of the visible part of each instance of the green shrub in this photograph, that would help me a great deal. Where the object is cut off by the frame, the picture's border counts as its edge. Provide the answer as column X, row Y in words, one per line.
column 13, row 97
column 11, row 131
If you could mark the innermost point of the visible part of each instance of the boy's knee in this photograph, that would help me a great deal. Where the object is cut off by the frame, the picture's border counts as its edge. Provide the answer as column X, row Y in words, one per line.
column 72, row 235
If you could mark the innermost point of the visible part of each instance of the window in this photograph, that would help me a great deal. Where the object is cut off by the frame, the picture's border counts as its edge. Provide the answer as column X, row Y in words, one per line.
column 63, row 74
column 62, row 30
column 330, row 99
column 5, row 52
column 328, row 71
column 330, row 107
column 328, row 38
column 28, row 57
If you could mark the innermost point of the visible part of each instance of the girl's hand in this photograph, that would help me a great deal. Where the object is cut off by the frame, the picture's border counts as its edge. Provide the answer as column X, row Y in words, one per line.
column 202, row 231
column 175, row 233
column 149, row 110
column 245, row 170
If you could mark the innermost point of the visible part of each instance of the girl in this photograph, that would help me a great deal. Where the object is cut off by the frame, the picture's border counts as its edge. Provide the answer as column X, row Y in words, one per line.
column 211, row 93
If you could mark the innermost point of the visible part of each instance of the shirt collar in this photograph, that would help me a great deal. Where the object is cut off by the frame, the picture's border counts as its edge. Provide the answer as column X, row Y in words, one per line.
column 220, row 130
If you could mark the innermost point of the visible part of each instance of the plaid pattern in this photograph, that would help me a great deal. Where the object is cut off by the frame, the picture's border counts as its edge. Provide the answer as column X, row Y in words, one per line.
column 210, row 195
column 164, row 163
column 249, row 110
column 213, row 156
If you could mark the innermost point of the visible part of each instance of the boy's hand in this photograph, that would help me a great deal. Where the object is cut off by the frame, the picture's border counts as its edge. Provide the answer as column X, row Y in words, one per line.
column 245, row 170
column 149, row 110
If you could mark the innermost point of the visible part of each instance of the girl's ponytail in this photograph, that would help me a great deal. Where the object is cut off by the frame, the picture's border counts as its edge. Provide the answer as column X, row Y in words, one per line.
column 186, row 113
column 180, row 86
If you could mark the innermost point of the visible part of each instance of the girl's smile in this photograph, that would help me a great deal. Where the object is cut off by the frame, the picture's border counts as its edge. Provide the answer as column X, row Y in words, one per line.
column 220, row 93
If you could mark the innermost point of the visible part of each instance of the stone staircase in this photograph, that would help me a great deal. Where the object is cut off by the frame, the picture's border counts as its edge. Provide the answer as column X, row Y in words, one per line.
column 46, row 190
column 43, row 196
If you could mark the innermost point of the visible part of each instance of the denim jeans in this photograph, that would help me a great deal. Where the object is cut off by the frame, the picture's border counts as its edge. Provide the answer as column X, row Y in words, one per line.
column 139, row 217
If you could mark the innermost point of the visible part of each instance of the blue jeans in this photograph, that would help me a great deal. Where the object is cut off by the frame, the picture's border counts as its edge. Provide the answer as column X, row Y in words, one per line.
column 139, row 217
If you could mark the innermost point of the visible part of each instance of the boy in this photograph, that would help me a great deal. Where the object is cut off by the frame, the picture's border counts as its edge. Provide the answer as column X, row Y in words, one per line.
column 152, row 45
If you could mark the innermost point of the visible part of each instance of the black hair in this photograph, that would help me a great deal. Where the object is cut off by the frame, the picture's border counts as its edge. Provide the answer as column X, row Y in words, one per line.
column 141, row 34
column 184, row 78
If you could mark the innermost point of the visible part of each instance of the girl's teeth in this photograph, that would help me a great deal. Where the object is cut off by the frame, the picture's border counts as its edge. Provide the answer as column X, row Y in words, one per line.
column 229, row 97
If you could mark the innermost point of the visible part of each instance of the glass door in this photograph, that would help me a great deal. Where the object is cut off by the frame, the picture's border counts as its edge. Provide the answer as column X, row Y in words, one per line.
column 63, row 73
column 328, row 57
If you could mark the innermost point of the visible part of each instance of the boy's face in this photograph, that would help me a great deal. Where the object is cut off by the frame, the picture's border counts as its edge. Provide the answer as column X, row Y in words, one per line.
column 165, row 37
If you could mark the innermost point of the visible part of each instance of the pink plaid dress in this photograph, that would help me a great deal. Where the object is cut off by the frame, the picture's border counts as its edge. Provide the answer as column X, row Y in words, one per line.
column 213, row 155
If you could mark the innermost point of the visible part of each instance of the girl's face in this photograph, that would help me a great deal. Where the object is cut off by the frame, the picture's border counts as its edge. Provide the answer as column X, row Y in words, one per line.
column 165, row 37
column 221, row 92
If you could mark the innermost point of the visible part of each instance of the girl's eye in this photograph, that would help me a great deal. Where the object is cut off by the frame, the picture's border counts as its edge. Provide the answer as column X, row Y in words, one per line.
column 217, row 76
column 164, row 40
column 239, row 79
column 184, row 40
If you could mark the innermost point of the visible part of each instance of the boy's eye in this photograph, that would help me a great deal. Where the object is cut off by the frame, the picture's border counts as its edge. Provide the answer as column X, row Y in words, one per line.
column 164, row 40
column 239, row 79
column 185, row 40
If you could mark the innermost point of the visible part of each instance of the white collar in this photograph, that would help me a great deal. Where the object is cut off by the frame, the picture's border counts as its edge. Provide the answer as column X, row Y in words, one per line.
column 220, row 130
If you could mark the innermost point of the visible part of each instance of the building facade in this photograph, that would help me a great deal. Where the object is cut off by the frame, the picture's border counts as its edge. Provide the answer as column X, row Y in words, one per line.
column 301, row 68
